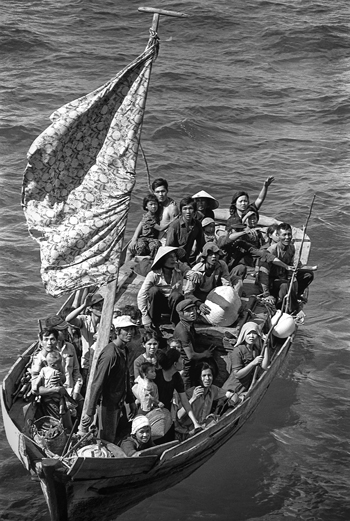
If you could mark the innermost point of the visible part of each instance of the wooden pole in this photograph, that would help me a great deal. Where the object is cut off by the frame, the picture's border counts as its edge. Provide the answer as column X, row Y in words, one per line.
column 108, row 303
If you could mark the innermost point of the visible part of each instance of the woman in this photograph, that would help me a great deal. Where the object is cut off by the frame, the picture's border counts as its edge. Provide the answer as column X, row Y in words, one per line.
column 239, row 206
column 206, row 203
column 202, row 396
column 168, row 380
column 150, row 343
column 245, row 357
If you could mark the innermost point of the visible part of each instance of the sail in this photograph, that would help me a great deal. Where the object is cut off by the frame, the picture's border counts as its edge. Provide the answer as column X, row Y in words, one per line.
column 79, row 178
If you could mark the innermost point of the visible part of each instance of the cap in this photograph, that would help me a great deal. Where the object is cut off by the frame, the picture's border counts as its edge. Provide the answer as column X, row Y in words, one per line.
column 55, row 322
column 206, row 221
column 139, row 422
column 123, row 321
column 185, row 304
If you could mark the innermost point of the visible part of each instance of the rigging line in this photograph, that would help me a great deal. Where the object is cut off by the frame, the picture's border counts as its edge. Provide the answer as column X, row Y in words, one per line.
column 148, row 174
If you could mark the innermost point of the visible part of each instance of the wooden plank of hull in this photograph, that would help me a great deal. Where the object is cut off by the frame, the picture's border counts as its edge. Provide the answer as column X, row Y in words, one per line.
column 176, row 463
column 99, row 468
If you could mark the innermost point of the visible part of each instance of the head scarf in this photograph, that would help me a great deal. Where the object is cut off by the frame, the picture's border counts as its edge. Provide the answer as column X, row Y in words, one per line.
column 247, row 327
column 139, row 422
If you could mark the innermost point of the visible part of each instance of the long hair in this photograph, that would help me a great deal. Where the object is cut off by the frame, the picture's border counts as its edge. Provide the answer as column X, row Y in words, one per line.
column 233, row 209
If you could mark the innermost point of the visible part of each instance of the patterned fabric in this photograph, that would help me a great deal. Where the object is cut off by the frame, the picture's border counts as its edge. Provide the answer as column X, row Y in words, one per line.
column 79, row 178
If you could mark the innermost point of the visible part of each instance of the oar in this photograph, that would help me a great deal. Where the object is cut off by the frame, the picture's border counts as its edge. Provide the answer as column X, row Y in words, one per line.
column 286, row 300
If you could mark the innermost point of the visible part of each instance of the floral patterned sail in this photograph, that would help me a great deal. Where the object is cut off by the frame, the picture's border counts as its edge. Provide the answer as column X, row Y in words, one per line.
column 78, row 181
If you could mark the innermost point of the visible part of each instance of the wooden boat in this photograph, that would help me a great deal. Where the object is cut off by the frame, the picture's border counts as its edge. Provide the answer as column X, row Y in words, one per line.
column 86, row 488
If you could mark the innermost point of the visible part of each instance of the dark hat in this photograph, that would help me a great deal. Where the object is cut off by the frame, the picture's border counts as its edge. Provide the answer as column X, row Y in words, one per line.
column 210, row 246
column 95, row 299
column 184, row 304
column 55, row 322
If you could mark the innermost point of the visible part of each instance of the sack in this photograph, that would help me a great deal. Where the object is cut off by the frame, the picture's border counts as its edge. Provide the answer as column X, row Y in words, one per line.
column 160, row 421
column 224, row 303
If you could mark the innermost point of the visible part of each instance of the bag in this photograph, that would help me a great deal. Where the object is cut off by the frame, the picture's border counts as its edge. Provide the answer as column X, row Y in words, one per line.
column 160, row 421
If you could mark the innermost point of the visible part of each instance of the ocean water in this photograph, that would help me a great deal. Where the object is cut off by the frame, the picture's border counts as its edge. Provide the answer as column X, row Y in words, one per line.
column 241, row 90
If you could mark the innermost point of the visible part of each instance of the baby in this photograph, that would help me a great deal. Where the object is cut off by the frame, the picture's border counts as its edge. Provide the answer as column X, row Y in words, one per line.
column 145, row 390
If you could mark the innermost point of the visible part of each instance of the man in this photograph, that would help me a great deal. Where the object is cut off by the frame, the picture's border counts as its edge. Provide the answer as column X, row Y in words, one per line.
column 211, row 273
column 275, row 279
column 185, row 331
column 186, row 232
column 49, row 395
column 112, row 382
column 88, row 323
column 168, row 208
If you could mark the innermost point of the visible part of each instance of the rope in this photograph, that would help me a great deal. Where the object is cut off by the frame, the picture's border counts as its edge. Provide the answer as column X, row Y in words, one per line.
column 146, row 164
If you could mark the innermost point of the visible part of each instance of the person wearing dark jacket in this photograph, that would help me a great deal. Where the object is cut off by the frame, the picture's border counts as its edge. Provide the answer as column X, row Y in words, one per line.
column 112, row 382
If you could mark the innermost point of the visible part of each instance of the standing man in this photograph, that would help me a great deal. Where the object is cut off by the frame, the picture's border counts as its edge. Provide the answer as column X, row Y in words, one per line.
column 112, row 382
column 186, row 232
column 168, row 208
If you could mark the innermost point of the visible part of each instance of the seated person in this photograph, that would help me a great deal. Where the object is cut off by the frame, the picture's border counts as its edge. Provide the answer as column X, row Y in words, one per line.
column 206, row 203
column 245, row 357
column 145, row 239
column 49, row 385
column 168, row 380
column 150, row 343
column 208, row 225
column 145, row 390
column 202, row 397
column 162, row 288
column 140, row 438
column 212, row 272
column 174, row 343
column 240, row 203
column 186, row 232
column 185, row 331
column 274, row 279
column 271, row 235
column 168, row 209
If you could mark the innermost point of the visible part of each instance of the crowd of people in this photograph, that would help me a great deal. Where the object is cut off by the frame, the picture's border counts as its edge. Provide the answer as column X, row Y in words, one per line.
column 139, row 371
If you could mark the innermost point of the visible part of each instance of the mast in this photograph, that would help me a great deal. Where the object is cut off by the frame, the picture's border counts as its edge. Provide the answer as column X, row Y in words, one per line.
column 108, row 304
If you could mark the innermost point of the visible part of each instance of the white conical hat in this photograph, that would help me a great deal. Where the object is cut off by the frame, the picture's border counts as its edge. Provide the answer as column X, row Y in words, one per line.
column 214, row 203
column 224, row 303
column 162, row 251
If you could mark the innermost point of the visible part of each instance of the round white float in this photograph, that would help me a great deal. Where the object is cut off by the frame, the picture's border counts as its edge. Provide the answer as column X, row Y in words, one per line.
column 224, row 303
column 285, row 326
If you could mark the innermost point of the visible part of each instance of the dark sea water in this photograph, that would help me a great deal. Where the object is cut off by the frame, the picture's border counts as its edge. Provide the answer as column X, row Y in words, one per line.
column 241, row 90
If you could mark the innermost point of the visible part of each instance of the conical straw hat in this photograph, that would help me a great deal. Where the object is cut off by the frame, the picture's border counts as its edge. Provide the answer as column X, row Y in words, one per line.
column 163, row 250
column 213, row 203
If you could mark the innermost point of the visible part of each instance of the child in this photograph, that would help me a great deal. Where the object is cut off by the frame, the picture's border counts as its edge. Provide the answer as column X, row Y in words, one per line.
column 145, row 239
column 52, row 376
column 174, row 343
column 208, row 225
column 253, row 236
column 140, row 438
column 150, row 342
column 145, row 390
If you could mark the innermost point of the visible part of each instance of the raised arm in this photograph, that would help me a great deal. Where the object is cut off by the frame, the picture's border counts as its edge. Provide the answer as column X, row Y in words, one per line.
column 262, row 196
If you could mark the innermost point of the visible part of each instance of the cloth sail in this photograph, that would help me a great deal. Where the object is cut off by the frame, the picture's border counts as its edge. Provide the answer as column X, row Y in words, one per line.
column 79, row 178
